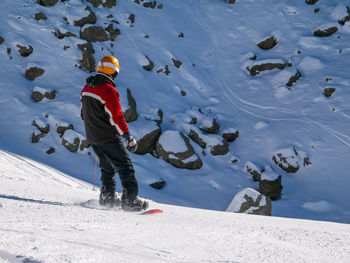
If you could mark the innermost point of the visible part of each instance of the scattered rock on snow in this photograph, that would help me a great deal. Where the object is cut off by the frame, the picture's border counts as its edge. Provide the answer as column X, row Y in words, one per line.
column 109, row 3
column 260, row 66
column 158, row 185
column 61, row 35
column 328, row 92
column 230, row 135
column 287, row 160
column 39, row 94
column 40, row 126
column 113, row 32
column 25, row 51
column 94, row 34
column 220, row 149
column 47, row 2
column 293, row 79
column 36, row 136
column 253, row 170
column 177, row 63
column 175, row 148
column 346, row 18
column 150, row 4
column 326, row 32
column 231, row 1
column 213, row 129
column 270, row 184
column 88, row 61
column 90, row 19
column 250, row 201
column 71, row 140
column 51, row 150
column 311, row 2
column 95, row 3
column 268, row 43
column 147, row 144
column 62, row 128
column 150, row 65
column 34, row 72
column 130, row 114
column 197, row 139
column 1, row 40
column 40, row 16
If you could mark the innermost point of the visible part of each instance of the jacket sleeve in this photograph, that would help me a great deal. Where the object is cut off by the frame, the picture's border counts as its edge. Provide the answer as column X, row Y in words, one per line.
column 114, row 110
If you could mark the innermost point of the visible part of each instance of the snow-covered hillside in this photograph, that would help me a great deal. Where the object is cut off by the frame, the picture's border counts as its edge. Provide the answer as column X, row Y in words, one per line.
column 42, row 220
column 217, row 72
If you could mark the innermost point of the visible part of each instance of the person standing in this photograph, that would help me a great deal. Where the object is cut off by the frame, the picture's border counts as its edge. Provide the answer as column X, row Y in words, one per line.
column 105, row 127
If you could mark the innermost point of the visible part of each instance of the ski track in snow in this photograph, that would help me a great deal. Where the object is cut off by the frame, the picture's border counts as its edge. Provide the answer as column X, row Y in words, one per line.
column 38, row 231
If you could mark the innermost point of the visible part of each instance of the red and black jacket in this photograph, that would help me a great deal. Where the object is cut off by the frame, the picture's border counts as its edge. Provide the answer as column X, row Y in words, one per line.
column 101, row 110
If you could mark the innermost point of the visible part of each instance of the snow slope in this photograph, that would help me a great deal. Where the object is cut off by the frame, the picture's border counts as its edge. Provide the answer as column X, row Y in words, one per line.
column 219, row 40
column 41, row 221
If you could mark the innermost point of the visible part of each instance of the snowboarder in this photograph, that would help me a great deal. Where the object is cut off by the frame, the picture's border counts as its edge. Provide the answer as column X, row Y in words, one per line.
column 104, row 126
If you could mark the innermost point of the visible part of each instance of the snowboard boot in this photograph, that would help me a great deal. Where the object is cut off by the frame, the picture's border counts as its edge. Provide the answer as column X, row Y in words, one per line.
column 133, row 204
column 109, row 198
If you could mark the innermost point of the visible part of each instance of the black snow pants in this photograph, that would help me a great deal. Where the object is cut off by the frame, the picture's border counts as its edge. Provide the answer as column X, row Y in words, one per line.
column 115, row 159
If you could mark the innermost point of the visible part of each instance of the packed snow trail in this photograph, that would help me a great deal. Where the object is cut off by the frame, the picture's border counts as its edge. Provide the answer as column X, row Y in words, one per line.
column 38, row 225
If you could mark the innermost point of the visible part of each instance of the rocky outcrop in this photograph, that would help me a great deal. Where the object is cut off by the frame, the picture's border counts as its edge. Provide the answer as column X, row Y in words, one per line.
column 346, row 18
column 287, row 160
column 109, row 3
column 1, row 40
column 230, row 135
column 150, row 65
column 293, row 79
column 62, row 128
column 250, row 201
column 231, row 1
column 90, row 19
column 197, row 139
column 41, row 126
column 147, row 144
column 39, row 94
column 88, row 60
column 175, row 148
column 253, row 170
column 130, row 114
column 270, row 184
column 213, row 129
column 267, row 43
column 34, row 72
column 177, row 63
column 40, row 16
column 113, row 32
column 220, row 149
column 158, row 185
column 311, row 2
column 94, row 34
column 326, row 32
column 47, row 2
column 327, row 92
column 61, row 35
column 25, row 51
column 265, row 66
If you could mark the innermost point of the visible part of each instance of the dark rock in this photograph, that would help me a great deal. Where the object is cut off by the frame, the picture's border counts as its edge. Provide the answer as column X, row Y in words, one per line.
column 147, row 144
column 166, row 71
column 132, row 18
column 109, row 3
column 158, row 185
column 86, row 47
column 293, row 79
column 61, row 35
column 288, row 163
column 160, row 114
column 35, row 138
column 311, row 2
column 268, row 43
column 40, row 16
column 66, row 47
column 51, row 150
column 196, row 138
column 150, row 4
column 230, row 136
column 326, row 33
column 160, row 6
column 177, row 63
column 1, row 40
column 214, row 129
column 316, row 10
column 84, row 145
column 256, row 69
column 9, row 51
column 33, row 73
column 181, row 35
column 25, row 51
column 130, row 114
column 94, row 34
column 88, row 61
column 271, row 188
column 307, row 161
column 183, row 93
column 220, row 149
column 45, row 129
column 253, row 170
column 254, row 57
column 72, row 147
column 113, row 33
column 95, row 3
column 61, row 129
column 231, row 1
column 328, row 92
column 38, row 96
column 47, row 2
column 177, row 159
column 90, row 19
column 150, row 65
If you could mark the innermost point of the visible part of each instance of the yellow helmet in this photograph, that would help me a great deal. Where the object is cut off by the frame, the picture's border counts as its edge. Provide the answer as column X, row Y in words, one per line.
column 108, row 65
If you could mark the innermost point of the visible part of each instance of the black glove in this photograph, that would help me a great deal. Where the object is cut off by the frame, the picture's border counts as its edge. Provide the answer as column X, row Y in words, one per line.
column 131, row 144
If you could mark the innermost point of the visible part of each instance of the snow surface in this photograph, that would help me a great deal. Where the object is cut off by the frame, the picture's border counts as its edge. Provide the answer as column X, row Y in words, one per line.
column 219, row 40
column 42, row 219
